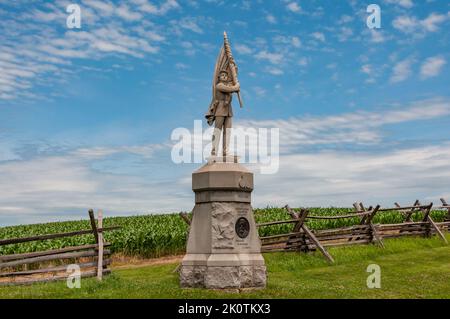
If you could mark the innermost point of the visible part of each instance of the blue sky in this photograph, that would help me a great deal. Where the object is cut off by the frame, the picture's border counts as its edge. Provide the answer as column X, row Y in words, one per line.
column 86, row 114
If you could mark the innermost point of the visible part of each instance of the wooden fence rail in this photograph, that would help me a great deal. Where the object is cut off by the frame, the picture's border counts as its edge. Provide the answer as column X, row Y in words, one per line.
column 51, row 265
column 301, row 239
column 10, row 241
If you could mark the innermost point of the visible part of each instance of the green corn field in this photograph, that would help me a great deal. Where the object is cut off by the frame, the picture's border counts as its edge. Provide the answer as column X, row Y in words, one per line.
column 165, row 234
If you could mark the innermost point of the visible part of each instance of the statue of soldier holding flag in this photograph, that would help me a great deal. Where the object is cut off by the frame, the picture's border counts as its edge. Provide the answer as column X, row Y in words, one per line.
column 220, row 111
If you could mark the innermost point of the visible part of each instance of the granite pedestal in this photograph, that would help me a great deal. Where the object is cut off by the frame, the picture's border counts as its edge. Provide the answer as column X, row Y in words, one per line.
column 223, row 249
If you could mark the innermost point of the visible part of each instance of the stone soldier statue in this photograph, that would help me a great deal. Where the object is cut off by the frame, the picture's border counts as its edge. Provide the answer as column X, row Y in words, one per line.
column 220, row 111
column 223, row 249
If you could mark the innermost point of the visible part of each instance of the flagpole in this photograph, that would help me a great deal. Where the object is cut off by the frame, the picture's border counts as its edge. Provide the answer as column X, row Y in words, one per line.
column 233, row 65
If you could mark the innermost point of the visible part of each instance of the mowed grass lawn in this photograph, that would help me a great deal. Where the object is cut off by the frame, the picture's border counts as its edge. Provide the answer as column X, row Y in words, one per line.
column 410, row 268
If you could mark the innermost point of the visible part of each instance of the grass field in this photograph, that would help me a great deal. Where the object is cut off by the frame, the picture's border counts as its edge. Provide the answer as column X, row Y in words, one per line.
column 165, row 234
column 410, row 268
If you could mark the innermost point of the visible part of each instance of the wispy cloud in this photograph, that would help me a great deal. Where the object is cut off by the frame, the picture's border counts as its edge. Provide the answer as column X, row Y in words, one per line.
column 274, row 58
column 402, row 3
column 360, row 128
column 271, row 19
column 63, row 185
column 242, row 49
column 339, row 178
column 411, row 24
column 344, row 19
column 293, row 7
column 401, row 70
column 124, row 12
column 43, row 50
column 344, row 33
column 432, row 66
column 189, row 23
column 274, row 71
column 318, row 36
column 148, row 7
column 259, row 91
column 377, row 36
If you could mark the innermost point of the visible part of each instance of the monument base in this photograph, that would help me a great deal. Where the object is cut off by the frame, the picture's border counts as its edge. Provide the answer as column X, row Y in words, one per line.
column 223, row 277
column 223, row 249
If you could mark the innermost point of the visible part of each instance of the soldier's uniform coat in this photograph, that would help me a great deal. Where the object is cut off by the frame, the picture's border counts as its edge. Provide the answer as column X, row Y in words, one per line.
column 221, row 106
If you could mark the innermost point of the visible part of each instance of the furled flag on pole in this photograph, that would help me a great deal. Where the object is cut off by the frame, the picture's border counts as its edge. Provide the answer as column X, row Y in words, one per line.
column 224, row 62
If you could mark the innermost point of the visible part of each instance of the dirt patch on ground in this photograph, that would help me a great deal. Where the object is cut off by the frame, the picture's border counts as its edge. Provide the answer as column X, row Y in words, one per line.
column 118, row 262
column 123, row 262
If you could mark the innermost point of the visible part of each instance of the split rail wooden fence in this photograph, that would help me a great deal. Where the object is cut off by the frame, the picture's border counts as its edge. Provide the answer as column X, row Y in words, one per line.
column 51, row 265
column 302, row 239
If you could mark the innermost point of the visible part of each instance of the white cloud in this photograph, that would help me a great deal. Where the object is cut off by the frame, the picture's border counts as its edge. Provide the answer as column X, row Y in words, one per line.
column 143, row 6
column 432, row 21
column 242, row 49
column 181, row 66
column 274, row 71
column 432, row 66
column 339, row 178
column 124, row 12
column 303, row 61
column 274, row 58
column 259, row 91
column 147, row 7
column 344, row 34
column 150, row 35
column 61, row 188
column 189, row 23
column 366, row 68
column 293, row 7
column 296, row 42
column 105, row 7
column 7, row 151
column 30, row 54
column 318, row 36
column 405, row 24
column 64, row 186
column 49, row 16
column 401, row 70
column 287, row 41
column 361, row 127
column 403, row 3
column 377, row 36
column 373, row 71
column 345, row 19
column 411, row 24
column 271, row 19
column 146, row 151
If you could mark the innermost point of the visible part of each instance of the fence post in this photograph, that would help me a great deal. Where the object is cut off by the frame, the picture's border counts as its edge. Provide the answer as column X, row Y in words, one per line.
column 317, row 243
column 408, row 215
column 431, row 223
column 425, row 219
column 298, row 226
column 444, row 203
column 100, row 245
column 94, row 227
column 372, row 229
column 359, row 207
column 291, row 213
column 185, row 217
